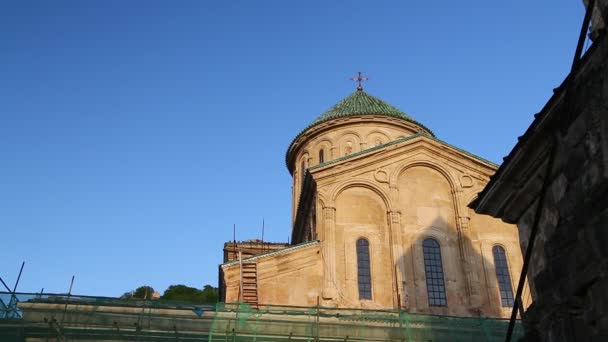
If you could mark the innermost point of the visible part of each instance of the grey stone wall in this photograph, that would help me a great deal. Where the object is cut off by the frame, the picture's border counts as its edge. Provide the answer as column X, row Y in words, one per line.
column 598, row 17
column 569, row 267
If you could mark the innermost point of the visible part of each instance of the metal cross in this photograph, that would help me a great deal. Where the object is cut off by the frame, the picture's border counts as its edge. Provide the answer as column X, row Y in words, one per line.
column 359, row 79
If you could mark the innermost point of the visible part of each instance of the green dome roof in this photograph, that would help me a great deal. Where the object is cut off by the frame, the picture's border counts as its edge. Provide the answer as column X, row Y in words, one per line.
column 360, row 103
column 357, row 103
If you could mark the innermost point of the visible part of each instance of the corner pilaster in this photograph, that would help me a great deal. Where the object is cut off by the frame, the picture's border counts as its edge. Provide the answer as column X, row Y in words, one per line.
column 329, row 256
column 467, row 252
column 398, row 256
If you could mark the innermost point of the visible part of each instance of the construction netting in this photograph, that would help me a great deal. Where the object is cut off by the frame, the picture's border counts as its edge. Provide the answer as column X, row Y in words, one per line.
column 63, row 317
column 240, row 322
column 42, row 317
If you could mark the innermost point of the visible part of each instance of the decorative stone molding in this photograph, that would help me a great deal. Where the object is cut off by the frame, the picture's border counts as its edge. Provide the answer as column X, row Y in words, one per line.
column 424, row 163
column 363, row 183
column 334, row 152
column 381, row 176
column 466, row 181
column 329, row 212
column 395, row 216
column 463, row 222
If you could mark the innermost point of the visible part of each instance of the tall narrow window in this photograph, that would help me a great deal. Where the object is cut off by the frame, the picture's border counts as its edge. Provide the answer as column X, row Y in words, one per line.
column 502, row 275
column 435, row 287
column 363, row 269
column 321, row 156
column 303, row 168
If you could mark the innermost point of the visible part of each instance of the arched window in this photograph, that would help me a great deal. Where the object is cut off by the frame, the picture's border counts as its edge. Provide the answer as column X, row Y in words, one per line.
column 303, row 168
column 363, row 269
column 435, row 287
column 321, row 156
column 502, row 275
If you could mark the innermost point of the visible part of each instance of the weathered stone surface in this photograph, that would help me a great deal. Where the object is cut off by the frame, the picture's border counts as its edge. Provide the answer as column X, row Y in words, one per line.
column 405, row 188
column 569, row 265
column 418, row 195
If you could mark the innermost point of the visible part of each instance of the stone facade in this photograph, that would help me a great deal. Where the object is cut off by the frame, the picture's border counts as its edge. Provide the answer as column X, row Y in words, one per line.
column 598, row 18
column 250, row 248
column 390, row 182
column 290, row 277
column 566, row 146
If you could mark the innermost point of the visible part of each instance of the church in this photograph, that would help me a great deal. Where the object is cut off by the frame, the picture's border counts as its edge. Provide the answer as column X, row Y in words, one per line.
column 380, row 220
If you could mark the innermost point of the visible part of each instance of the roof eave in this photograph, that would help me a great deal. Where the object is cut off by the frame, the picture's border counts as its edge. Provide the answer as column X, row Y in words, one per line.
column 486, row 202
column 317, row 123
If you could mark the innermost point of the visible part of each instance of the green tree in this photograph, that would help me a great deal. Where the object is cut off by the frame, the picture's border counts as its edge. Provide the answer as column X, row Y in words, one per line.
column 191, row 294
column 142, row 292
column 210, row 294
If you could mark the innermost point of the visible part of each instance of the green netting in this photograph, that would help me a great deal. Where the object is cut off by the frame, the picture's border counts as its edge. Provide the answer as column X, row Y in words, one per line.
column 86, row 318
column 238, row 322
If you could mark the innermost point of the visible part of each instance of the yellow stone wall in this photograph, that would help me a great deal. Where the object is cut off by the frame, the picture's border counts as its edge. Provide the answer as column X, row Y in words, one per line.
column 343, row 137
column 396, row 197
column 361, row 213
column 289, row 278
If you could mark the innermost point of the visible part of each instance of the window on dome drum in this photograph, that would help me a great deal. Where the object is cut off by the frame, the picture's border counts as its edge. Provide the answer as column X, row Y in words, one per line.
column 502, row 275
column 435, row 286
column 363, row 269
column 303, row 170
column 321, row 156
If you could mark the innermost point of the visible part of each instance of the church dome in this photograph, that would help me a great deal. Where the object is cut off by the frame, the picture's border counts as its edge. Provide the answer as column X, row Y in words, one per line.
column 358, row 104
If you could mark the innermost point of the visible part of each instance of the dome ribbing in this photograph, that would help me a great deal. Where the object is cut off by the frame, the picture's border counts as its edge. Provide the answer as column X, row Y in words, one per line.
column 360, row 103
column 356, row 104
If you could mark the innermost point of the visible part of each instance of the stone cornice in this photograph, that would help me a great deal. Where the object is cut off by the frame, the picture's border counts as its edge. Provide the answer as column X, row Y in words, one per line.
column 518, row 173
column 420, row 143
column 269, row 254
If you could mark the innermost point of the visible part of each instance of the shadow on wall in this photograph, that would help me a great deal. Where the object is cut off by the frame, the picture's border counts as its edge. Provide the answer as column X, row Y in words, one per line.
column 442, row 274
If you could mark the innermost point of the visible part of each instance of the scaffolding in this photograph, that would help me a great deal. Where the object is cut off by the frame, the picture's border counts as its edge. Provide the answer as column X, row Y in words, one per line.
column 239, row 322
column 62, row 317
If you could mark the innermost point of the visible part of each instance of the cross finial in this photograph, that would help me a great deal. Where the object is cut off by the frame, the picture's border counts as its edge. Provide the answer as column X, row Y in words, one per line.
column 359, row 80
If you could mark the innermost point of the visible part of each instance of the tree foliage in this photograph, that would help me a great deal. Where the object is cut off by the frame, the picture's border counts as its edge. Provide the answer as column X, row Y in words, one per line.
column 209, row 294
column 142, row 292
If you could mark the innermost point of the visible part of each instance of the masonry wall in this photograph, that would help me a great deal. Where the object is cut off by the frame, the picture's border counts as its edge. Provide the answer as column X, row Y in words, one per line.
column 569, row 268
column 396, row 199
column 343, row 137
column 246, row 249
column 290, row 278
column 249, row 248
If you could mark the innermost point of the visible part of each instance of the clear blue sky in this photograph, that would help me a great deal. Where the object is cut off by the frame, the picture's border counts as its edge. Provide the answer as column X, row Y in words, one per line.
column 134, row 134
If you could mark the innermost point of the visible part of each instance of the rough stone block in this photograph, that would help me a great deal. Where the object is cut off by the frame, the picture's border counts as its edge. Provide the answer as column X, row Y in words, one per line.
column 559, row 187
column 544, row 281
column 595, row 235
column 562, row 241
column 597, row 302
column 576, row 161
column 576, row 132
